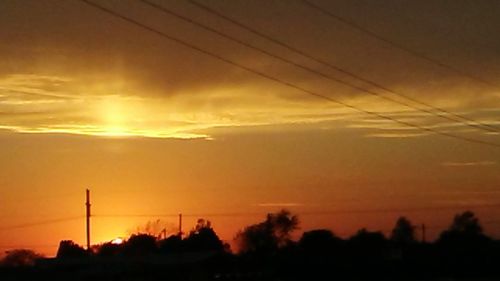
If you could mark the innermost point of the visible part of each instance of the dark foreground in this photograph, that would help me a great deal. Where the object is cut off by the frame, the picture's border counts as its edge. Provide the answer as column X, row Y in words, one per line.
column 280, row 267
column 461, row 252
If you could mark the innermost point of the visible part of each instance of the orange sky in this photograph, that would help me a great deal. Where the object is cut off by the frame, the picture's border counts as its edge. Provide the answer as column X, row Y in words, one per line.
column 151, row 127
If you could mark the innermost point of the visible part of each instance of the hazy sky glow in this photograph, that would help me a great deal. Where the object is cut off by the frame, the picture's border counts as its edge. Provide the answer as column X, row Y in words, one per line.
column 152, row 127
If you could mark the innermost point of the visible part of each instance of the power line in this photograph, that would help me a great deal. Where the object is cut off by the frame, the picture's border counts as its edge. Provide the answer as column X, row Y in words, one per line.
column 406, row 210
column 194, row 215
column 310, row 213
column 39, row 223
column 461, row 118
column 394, row 44
column 278, row 80
column 6, row 247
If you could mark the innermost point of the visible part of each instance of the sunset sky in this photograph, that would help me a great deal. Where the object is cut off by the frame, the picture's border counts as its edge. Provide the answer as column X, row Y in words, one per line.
column 88, row 100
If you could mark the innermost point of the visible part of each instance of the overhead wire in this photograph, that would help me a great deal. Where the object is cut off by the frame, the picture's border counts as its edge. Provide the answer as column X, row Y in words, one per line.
column 39, row 223
column 278, row 80
column 392, row 43
column 7, row 247
column 306, row 213
column 443, row 112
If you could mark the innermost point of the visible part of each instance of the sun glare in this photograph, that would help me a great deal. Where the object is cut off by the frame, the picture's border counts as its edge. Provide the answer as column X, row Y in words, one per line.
column 114, row 116
column 117, row 241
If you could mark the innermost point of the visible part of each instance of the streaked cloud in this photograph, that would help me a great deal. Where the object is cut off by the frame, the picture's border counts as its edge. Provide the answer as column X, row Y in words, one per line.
column 70, row 80
column 280, row 204
column 113, row 106
column 396, row 135
column 469, row 164
column 387, row 128
column 51, row 104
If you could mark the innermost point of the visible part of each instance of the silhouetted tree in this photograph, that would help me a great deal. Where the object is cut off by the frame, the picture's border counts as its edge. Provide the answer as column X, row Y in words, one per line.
column 69, row 249
column 466, row 223
column 320, row 241
column 256, row 238
column 464, row 229
column 463, row 247
column 20, row 257
column 201, row 224
column 283, row 224
column 140, row 245
column 268, row 236
column 403, row 232
column 203, row 238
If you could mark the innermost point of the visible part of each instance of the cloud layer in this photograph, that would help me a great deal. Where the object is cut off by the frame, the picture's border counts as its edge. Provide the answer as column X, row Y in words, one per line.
column 101, row 76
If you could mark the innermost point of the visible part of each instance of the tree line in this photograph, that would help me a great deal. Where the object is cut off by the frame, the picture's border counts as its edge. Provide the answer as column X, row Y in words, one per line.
column 462, row 248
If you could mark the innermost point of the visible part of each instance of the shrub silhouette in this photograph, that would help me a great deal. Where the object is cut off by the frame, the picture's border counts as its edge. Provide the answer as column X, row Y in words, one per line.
column 140, row 245
column 20, row 257
column 69, row 249
column 368, row 245
column 109, row 249
column 319, row 242
column 172, row 244
column 369, row 239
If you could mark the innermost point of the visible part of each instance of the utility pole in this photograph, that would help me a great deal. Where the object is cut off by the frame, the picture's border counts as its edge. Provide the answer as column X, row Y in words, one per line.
column 423, row 233
column 87, row 204
column 180, row 225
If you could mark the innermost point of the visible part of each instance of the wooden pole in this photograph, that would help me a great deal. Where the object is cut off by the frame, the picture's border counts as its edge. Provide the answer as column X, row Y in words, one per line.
column 87, row 204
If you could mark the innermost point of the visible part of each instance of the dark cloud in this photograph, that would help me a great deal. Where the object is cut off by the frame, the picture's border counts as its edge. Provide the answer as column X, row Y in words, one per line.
column 68, row 36
column 97, row 55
